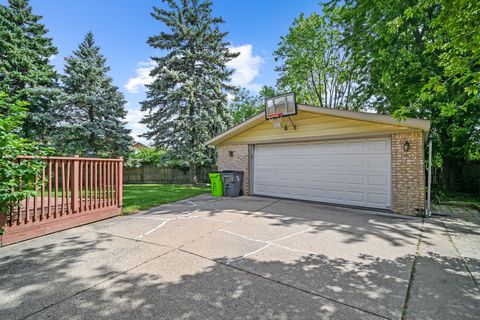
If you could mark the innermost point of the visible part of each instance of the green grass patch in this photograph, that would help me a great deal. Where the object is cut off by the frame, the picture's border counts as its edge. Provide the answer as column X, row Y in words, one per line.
column 137, row 197
column 459, row 198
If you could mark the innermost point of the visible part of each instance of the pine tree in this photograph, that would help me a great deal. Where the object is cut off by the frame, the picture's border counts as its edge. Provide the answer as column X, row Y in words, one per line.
column 25, row 71
column 91, row 107
column 187, row 101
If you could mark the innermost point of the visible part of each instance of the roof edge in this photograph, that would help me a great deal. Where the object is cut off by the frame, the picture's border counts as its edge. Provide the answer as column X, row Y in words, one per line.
column 423, row 125
column 251, row 120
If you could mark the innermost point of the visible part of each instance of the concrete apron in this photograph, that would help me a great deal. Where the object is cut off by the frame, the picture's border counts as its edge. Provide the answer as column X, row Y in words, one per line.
column 218, row 258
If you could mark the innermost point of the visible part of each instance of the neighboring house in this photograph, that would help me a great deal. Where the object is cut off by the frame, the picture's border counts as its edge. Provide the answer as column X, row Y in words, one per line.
column 138, row 146
column 333, row 156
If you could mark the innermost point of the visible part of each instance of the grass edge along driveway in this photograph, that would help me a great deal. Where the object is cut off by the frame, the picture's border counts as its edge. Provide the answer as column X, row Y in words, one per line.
column 138, row 197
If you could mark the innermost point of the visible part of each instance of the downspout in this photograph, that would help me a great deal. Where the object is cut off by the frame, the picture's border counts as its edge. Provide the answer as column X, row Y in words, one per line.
column 429, row 188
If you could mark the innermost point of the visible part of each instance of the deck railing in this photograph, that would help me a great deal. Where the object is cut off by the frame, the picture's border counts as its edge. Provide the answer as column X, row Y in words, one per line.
column 70, row 189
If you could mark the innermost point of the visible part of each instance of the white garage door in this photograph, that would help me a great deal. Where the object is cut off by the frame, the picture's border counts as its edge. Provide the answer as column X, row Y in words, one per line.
column 351, row 172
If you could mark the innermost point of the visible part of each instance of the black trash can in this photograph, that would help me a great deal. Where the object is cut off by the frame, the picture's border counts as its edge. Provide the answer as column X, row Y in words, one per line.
column 232, row 183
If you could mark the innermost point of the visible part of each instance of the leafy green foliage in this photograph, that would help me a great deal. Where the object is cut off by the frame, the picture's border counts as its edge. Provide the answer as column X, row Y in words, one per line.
column 420, row 59
column 146, row 156
column 13, row 173
column 25, row 71
column 187, row 101
column 91, row 109
column 244, row 105
column 314, row 66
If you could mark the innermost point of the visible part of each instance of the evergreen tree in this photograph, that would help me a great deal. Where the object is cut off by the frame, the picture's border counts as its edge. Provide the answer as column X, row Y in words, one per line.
column 91, row 107
column 187, row 102
column 25, row 72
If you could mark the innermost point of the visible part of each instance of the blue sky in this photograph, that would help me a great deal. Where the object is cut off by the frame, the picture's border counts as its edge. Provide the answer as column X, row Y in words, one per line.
column 121, row 28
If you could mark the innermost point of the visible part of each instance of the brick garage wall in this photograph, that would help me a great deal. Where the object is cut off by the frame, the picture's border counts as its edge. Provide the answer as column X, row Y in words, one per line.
column 238, row 161
column 408, row 174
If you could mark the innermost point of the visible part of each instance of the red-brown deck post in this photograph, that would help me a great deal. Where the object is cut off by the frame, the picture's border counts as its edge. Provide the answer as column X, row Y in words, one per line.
column 80, row 186
column 119, row 182
column 42, row 192
column 74, row 186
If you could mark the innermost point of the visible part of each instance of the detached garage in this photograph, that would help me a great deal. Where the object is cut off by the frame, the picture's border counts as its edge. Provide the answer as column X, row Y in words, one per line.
column 332, row 156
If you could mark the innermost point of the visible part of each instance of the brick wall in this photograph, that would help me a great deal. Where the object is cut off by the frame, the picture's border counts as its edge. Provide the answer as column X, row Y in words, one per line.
column 238, row 160
column 408, row 174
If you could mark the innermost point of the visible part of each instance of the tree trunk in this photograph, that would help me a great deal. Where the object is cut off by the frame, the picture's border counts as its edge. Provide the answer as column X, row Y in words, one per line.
column 92, row 139
column 193, row 173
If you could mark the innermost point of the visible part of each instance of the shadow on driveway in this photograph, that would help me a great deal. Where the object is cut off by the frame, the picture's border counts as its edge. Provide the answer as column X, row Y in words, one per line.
column 340, row 265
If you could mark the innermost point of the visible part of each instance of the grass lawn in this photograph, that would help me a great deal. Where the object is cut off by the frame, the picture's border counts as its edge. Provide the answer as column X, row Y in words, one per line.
column 137, row 197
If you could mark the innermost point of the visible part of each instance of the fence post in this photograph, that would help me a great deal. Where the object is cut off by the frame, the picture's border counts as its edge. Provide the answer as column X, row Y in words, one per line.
column 120, row 183
column 74, row 185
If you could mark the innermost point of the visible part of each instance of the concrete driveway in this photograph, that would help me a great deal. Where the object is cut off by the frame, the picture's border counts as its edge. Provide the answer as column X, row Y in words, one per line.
column 247, row 258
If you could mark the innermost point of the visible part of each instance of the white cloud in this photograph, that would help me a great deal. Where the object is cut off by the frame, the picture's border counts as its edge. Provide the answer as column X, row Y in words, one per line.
column 142, row 78
column 133, row 122
column 52, row 57
column 246, row 67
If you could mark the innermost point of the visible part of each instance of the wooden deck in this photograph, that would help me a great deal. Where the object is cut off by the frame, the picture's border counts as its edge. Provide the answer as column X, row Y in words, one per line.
column 72, row 192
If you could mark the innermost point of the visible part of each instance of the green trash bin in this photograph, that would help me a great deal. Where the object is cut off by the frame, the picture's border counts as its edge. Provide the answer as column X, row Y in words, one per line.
column 216, row 184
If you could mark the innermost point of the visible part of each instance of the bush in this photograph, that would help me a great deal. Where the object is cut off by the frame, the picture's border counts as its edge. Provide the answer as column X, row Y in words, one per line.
column 145, row 156
column 12, row 173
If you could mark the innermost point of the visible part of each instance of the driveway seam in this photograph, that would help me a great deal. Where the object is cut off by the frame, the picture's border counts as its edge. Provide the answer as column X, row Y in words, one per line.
column 273, row 243
column 226, row 224
column 97, row 284
column 267, row 242
column 133, row 239
column 283, row 284
column 412, row 274
column 136, row 266
column 460, row 255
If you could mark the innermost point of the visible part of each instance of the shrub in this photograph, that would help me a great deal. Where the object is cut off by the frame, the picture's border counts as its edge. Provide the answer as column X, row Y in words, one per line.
column 14, row 174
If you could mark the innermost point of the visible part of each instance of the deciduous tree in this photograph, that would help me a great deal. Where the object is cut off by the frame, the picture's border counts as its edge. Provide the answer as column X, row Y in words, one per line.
column 420, row 59
column 245, row 105
column 315, row 66
column 17, row 179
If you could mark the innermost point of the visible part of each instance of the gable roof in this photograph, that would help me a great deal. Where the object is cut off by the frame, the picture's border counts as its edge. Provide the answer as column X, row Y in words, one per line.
column 423, row 125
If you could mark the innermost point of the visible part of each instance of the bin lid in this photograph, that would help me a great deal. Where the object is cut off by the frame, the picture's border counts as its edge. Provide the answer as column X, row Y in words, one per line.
column 232, row 171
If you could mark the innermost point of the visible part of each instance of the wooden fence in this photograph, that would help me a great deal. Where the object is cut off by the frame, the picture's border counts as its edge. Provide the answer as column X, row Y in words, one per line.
column 70, row 192
column 152, row 174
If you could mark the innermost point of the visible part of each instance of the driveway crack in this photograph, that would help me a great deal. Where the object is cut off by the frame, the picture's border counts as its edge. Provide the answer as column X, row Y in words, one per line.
column 284, row 284
column 412, row 274
column 464, row 261
column 97, row 284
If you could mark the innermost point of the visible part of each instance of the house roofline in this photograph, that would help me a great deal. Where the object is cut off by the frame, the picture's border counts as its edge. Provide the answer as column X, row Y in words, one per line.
column 423, row 125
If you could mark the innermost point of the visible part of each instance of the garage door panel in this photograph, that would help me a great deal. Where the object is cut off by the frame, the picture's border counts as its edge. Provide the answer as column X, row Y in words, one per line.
column 335, row 178
column 378, row 198
column 355, row 196
column 354, row 179
column 378, row 161
column 381, row 145
column 333, row 194
column 377, row 180
column 354, row 161
column 355, row 146
column 355, row 172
